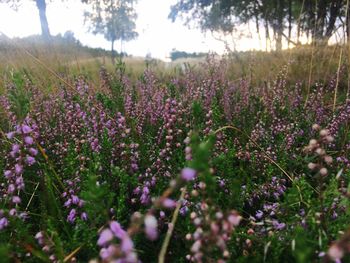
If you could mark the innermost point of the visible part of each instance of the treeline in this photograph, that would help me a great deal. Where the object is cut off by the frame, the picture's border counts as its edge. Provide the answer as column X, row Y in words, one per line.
column 66, row 42
column 176, row 54
column 317, row 19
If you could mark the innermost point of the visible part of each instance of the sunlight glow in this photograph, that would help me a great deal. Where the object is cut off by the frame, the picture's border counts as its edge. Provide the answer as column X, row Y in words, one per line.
column 157, row 34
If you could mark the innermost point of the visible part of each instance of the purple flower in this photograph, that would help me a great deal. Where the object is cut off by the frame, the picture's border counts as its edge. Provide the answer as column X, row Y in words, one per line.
column 183, row 210
column 23, row 216
column 107, row 253
column 68, row 203
column 84, row 216
column 145, row 195
column 20, row 182
column 151, row 227
column 234, row 218
column 10, row 135
column 28, row 140
column 3, row 223
column 11, row 188
column 105, row 236
column 259, row 214
column 7, row 173
column 16, row 199
column 117, row 230
column 15, row 148
column 71, row 216
column 18, row 168
column 75, row 199
column 169, row 203
column 127, row 245
column 13, row 212
column 30, row 160
column 26, row 129
column 33, row 151
column 188, row 174
column 39, row 235
column 277, row 225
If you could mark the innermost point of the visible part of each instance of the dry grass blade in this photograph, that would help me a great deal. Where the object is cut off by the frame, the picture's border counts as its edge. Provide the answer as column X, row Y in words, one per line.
column 72, row 254
column 162, row 254
column 31, row 197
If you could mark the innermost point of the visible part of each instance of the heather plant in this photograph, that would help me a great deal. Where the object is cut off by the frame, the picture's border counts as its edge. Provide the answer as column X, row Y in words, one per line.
column 195, row 167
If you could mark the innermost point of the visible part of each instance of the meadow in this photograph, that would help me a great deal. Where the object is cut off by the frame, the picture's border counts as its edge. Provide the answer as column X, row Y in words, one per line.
column 243, row 158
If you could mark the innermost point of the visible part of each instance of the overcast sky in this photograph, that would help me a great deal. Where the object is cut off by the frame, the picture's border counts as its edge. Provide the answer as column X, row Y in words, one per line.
column 157, row 34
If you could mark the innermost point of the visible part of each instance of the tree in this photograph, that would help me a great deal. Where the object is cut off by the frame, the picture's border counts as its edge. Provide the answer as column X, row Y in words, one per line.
column 316, row 17
column 225, row 15
column 115, row 19
column 41, row 5
column 321, row 16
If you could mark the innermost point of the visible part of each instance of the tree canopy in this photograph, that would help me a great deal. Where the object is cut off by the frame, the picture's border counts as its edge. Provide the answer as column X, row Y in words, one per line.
column 115, row 19
column 316, row 18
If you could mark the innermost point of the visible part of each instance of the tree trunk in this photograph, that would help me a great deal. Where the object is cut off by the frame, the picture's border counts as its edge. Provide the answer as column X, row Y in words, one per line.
column 334, row 13
column 311, row 24
column 267, row 33
column 290, row 18
column 113, row 52
column 348, row 26
column 320, row 21
column 298, row 33
column 41, row 5
column 279, row 25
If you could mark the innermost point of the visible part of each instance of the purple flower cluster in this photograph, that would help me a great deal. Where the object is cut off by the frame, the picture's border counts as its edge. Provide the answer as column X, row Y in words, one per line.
column 47, row 245
column 23, row 153
column 73, row 202
column 111, row 252
column 211, row 232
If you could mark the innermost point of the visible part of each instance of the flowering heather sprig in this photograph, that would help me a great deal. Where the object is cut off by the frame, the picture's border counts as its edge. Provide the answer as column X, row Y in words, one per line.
column 6, row 106
column 317, row 147
column 161, row 164
column 47, row 246
column 271, row 191
column 208, row 123
column 3, row 220
column 73, row 203
column 211, row 231
column 151, row 98
column 23, row 154
column 112, row 252
column 339, row 119
column 339, row 248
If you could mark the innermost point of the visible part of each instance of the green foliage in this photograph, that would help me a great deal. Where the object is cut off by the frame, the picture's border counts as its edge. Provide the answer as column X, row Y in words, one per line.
column 19, row 95
column 4, row 252
column 98, row 198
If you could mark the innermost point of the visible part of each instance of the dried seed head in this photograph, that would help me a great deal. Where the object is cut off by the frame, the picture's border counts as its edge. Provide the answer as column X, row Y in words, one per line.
column 312, row 143
column 323, row 171
column 312, row 166
column 324, row 132
column 328, row 159
column 329, row 138
column 316, row 127
column 320, row 151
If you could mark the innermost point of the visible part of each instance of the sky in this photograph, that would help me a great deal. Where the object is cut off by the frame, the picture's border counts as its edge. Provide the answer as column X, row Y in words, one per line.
column 157, row 34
